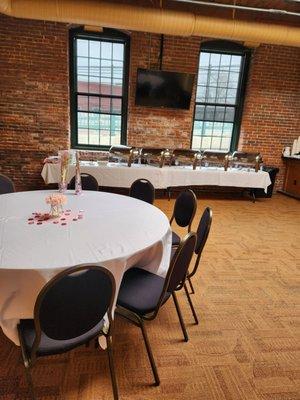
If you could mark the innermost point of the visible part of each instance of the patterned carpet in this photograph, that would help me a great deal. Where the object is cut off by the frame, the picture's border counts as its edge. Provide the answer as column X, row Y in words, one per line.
column 246, row 346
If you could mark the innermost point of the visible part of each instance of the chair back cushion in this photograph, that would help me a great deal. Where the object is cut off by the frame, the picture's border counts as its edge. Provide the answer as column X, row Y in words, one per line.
column 74, row 302
column 185, row 208
column 143, row 189
column 181, row 261
column 88, row 182
column 6, row 185
column 203, row 230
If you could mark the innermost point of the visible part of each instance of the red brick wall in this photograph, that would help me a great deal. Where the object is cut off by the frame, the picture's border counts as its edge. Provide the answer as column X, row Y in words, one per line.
column 34, row 101
column 155, row 126
column 271, row 117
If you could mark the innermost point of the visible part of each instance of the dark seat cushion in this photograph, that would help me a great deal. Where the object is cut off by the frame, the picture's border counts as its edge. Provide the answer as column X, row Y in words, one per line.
column 50, row 346
column 140, row 291
column 175, row 239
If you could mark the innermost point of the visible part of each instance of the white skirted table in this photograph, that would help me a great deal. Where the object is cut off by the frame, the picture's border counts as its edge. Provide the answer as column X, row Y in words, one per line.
column 122, row 176
column 115, row 231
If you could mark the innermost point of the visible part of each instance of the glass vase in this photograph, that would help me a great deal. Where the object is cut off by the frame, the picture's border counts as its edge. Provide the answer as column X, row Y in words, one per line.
column 56, row 211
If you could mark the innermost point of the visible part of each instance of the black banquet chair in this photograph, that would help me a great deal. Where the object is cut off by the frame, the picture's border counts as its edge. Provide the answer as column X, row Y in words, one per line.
column 142, row 189
column 142, row 293
column 183, row 214
column 6, row 185
column 88, row 182
column 69, row 312
column 202, row 235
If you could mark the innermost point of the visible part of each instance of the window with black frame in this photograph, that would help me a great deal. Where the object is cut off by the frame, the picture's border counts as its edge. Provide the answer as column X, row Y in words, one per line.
column 219, row 95
column 99, row 86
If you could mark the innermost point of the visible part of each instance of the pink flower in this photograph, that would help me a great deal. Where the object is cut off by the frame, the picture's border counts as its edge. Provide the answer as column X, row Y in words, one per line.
column 56, row 199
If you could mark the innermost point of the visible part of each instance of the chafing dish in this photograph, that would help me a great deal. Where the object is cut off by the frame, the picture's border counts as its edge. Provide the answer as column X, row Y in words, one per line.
column 247, row 160
column 156, row 156
column 124, row 154
column 216, row 158
column 186, row 157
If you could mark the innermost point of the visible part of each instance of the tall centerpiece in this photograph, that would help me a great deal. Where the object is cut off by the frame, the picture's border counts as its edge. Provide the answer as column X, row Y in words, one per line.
column 64, row 166
column 78, row 185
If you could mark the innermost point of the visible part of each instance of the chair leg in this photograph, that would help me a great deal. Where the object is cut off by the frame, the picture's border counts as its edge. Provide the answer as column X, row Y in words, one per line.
column 149, row 352
column 186, row 338
column 30, row 382
column 112, row 367
column 191, row 285
column 191, row 304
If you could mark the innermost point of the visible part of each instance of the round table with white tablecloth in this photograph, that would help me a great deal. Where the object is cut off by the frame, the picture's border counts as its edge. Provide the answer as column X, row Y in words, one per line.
column 115, row 231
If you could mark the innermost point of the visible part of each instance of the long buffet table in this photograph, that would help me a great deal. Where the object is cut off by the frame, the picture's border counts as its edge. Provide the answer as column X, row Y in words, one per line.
column 122, row 176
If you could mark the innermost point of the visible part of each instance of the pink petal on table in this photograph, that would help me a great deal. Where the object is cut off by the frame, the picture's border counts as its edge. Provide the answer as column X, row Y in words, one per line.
column 64, row 223
column 39, row 223
column 30, row 222
column 55, row 222
column 74, row 219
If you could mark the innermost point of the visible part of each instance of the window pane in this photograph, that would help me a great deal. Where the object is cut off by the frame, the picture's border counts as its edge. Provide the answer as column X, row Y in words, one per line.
column 99, row 70
column 202, row 79
column 235, row 63
column 219, row 115
column 82, row 65
column 94, row 49
column 199, row 112
column 117, row 87
column 94, row 103
column 106, row 50
column 82, row 48
column 116, row 106
column 225, row 61
column 209, row 113
column 229, row 114
column 118, row 51
column 217, row 85
column 117, row 69
column 105, row 105
column 94, row 67
column 94, row 84
column 215, row 60
column 83, row 136
column 215, row 143
column 204, row 59
column 83, row 103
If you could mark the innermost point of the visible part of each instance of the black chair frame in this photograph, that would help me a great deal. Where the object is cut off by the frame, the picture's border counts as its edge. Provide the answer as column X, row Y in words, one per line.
column 198, row 251
column 139, row 320
column 145, row 181
column 7, row 180
column 84, row 175
column 189, row 225
column 30, row 359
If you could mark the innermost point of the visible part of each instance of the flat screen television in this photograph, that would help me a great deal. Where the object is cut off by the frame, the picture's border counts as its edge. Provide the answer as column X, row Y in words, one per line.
column 163, row 89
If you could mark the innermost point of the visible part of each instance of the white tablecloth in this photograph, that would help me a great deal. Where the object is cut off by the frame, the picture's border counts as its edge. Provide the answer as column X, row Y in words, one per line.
column 119, row 175
column 116, row 232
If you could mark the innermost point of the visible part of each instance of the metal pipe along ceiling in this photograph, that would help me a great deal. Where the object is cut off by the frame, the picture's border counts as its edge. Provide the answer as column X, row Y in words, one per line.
column 155, row 20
